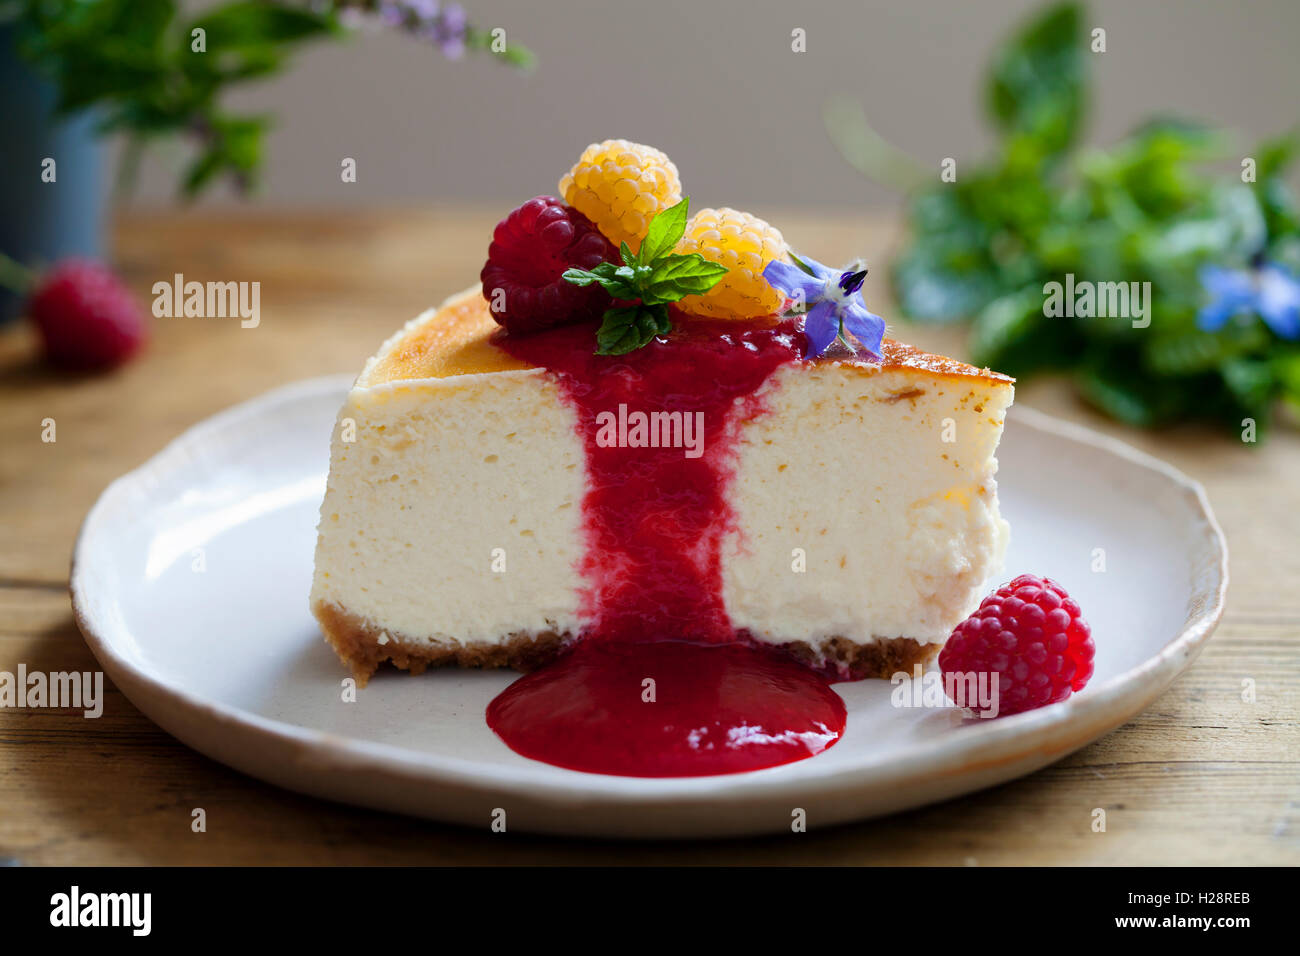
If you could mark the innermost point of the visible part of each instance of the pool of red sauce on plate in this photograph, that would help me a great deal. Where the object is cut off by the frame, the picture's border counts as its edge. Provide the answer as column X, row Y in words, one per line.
column 661, row 684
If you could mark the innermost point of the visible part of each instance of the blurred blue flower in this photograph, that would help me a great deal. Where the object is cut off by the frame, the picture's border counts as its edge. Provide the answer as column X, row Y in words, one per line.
column 1269, row 291
column 833, row 302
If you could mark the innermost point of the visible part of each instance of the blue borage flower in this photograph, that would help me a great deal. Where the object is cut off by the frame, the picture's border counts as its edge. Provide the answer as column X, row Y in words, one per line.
column 832, row 300
column 1269, row 291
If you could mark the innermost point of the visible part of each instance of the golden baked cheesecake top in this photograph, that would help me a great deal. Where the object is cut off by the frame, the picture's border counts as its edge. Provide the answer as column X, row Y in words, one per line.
column 457, row 338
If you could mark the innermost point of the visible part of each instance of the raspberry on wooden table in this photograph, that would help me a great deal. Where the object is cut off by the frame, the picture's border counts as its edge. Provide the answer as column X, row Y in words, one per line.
column 86, row 317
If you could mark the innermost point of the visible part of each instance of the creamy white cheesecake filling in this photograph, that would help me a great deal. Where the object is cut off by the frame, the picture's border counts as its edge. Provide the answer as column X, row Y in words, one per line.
column 455, row 514
column 866, row 506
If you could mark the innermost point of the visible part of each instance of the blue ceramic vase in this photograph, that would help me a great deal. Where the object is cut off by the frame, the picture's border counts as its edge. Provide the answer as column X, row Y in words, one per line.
column 42, row 222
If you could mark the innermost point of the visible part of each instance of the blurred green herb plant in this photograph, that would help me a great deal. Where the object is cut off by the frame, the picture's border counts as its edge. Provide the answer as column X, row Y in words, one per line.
column 985, row 246
column 152, row 72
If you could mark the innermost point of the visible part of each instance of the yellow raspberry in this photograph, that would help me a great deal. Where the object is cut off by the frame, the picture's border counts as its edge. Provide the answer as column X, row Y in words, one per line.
column 744, row 244
column 621, row 186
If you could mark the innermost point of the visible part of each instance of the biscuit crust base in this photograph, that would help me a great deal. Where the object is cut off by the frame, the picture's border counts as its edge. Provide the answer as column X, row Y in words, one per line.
column 363, row 647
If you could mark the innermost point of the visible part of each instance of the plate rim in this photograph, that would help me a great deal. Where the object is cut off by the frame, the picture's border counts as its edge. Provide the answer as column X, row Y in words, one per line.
column 1039, row 736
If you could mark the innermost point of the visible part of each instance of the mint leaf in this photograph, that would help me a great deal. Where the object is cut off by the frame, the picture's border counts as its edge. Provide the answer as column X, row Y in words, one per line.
column 580, row 277
column 627, row 328
column 655, row 276
column 618, row 281
column 674, row 277
column 618, row 334
column 683, row 265
column 1035, row 87
column 625, row 284
column 666, row 230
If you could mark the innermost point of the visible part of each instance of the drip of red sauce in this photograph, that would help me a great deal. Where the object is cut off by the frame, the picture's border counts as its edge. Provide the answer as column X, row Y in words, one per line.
column 669, row 709
column 654, row 519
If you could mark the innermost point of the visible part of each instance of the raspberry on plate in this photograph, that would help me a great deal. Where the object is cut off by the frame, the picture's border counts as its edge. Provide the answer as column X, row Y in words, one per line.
column 744, row 244
column 531, row 248
column 1032, row 635
column 621, row 186
column 86, row 317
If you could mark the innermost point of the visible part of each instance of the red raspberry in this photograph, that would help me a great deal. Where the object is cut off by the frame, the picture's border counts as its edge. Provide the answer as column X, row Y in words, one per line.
column 87, row 318
column 1030, row 633
column 530, row 250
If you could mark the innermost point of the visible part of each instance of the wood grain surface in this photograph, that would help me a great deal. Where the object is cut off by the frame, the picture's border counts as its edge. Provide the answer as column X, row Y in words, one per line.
column 1200, row 777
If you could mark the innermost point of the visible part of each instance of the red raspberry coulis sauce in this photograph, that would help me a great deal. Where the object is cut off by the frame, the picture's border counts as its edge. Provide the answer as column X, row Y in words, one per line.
column 661, row 684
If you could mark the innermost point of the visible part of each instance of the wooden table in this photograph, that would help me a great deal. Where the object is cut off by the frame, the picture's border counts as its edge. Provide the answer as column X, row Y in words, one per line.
column 1201, row 777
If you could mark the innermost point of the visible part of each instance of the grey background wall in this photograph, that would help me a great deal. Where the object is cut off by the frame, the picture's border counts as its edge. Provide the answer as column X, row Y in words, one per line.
column 715, row 84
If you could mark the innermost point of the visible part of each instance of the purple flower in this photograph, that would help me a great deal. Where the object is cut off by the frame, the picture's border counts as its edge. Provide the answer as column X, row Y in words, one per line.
column 392, row 13
column 444, row 26
column 1269, row 291
column 833, row 301
column 449, row 31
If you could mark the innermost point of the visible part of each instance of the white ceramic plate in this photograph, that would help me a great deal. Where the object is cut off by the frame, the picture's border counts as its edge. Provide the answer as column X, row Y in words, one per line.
column 190, row 583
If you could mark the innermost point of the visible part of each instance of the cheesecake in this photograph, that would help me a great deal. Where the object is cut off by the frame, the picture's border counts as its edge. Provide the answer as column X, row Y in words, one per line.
column 657, row 457
column 494, row 499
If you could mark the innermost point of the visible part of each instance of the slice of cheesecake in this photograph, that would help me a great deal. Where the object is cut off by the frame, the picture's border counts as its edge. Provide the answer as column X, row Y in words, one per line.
column 469, row 514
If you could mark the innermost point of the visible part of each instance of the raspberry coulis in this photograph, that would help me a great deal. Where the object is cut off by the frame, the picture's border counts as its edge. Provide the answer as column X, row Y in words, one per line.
column 660, row 683
column 669, row 709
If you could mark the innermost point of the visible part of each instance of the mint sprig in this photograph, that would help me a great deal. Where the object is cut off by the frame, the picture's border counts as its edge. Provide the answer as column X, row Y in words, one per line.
column 655, row 276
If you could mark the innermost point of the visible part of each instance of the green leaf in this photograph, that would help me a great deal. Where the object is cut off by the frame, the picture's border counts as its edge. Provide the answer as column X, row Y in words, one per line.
column 656, row 277
column 203, row 170
column 259, row 23
column 1149, row 208
column 630, row 327
column 1012, row 335
column 619, row 281
column 1273, row 156
column 674, row 277
column 1252, row 384
column 1126, row 395
column 133, row 62
column 944, row 279
column 624, row 284
column 233, row 146
column 666, row 230
column 1286, row 368
column 1036, row 83
column 579, row 277
column 1188, row 353
column 518, row 56
column 513, row 54
column 1286, row 373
